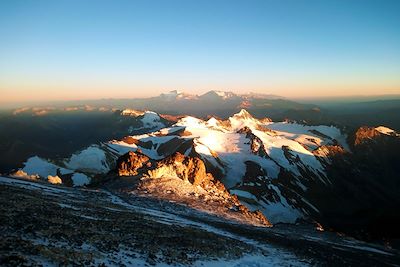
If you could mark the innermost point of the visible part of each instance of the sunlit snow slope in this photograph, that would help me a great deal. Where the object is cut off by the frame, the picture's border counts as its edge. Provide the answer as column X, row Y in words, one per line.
column 250, row 156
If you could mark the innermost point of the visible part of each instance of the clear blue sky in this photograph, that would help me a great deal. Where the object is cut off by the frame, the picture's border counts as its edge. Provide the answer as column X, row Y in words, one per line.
column 92, row 49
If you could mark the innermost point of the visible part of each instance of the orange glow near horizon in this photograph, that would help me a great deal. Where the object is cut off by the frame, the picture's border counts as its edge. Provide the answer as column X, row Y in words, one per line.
column 66, row 91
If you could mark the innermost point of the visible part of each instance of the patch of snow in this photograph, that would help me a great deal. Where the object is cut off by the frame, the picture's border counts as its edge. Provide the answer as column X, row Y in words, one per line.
column 121, row 147
column 213, row 122
column 190, row 122
column 274, row 144
column 303, row 133
column 92, row 159
column 34, row 186
column 281, row 211
column 80, row 179
column 370, row 249
column 243, row 194
column 170, row 130
column 151, row 120
column 253, row 261
column 42, row 167
column 172, row 95
column 387, row 131
column 276, row 212
column 131, row 112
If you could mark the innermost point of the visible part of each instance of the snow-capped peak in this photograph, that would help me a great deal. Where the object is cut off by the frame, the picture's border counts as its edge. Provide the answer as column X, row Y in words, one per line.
column 225, row 95
column 243, row 113
column 175, row 94
column 151, row 120
column 216, row 95
column 243, row 119
column 172, row 95
column 213, row 94
column 213, row 122
column 190, row 121
column 150, row 116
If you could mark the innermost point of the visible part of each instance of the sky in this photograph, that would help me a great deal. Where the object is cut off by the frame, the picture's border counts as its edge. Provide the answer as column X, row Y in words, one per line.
column 68, row 50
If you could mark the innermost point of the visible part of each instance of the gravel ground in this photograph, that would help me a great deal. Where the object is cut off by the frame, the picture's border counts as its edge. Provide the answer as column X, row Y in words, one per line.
column 42, row 224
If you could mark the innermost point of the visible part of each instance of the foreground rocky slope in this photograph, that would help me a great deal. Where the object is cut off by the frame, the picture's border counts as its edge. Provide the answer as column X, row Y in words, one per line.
column 41, row 224
column 44, row 224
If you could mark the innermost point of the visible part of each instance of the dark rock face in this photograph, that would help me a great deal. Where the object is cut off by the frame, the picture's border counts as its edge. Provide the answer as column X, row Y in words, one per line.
column 364, row 194
column 256, row 182
column 289, row 155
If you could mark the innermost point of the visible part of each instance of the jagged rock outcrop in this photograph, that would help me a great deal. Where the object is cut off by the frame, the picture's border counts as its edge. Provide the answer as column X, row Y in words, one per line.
column 190, row 169
column 196, row 187
column 186, row 168
column 130, row 163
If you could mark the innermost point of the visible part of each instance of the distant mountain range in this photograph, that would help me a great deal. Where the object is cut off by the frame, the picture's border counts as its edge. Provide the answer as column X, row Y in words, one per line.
column 346, row 112
column 215, row 103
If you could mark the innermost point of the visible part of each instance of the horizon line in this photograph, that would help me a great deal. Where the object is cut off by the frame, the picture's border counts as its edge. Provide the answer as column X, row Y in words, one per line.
column 357, row 97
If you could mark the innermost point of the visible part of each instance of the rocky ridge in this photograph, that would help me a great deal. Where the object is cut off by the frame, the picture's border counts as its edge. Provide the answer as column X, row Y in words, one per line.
column 183, row 179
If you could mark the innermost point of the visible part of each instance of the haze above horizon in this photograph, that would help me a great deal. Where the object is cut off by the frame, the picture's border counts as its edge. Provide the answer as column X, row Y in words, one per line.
column 69, row 50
